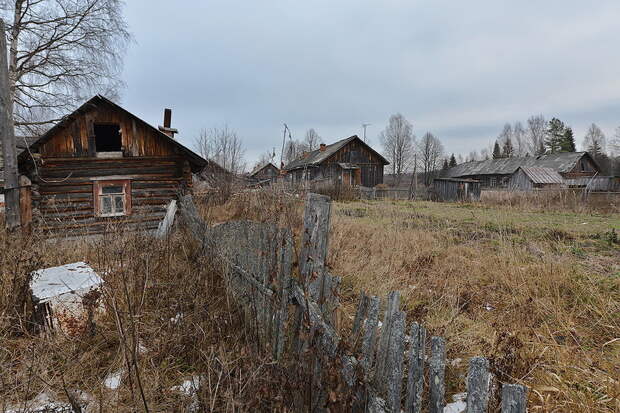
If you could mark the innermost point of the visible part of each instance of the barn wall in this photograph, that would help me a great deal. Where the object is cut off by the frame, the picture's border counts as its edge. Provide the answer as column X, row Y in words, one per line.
column 446, row 190
column 63, row 198
column 519, row 181
column 359, row 154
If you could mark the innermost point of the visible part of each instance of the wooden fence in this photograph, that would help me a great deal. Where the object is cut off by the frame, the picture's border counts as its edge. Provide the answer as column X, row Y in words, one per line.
column 381, row 365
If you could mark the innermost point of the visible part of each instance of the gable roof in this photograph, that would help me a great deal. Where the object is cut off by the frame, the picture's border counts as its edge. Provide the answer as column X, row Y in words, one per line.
column 196, row 161
column 318, row 156
column 542, row 175
column 560, row 162
column 260, row 168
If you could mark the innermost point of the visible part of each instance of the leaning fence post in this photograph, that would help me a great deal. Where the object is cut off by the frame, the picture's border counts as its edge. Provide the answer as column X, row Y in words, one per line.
column 370, row 334
column 415, row 381
column 437, row 374
column 478, row 385
column 514, row 398
column 394, row 365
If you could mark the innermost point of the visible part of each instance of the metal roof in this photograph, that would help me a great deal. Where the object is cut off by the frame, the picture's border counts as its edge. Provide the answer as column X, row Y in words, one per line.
column 559, row 162
column 542, row 175
column 318, row 156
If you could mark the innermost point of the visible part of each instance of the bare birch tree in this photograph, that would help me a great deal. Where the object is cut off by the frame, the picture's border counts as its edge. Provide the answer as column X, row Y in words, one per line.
column 311, row 140
column 430, row 153
column 519, row 140
column 223, row 146
column 398, row 145
column 535, row 134
column 60, row 52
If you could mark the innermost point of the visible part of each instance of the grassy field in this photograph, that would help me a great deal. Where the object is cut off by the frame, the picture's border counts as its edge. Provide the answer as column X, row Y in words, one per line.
column 536, row 292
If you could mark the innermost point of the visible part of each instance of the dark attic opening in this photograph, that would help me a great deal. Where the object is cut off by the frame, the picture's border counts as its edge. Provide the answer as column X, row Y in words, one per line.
column 108, row 137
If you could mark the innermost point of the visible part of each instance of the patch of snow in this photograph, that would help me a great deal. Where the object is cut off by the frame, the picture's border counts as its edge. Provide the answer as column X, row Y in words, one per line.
column 456, row 362
column 113, row 380
column 189, row 387
column 77, row 277
column 458, row 404
column 177, row 318
column 488, row 307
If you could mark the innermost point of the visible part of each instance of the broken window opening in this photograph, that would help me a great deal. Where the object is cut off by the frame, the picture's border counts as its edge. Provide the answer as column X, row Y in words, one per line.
column 108, row 137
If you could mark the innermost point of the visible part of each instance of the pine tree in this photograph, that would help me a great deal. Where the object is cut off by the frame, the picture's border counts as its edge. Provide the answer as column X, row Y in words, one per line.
column 497, row 152
column 508, row 149
column 567, row 144
column 555, row 135
column 452, row 163
column 445, row 166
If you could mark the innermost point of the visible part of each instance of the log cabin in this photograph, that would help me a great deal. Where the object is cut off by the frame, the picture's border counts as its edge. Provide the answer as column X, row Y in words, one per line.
column 349, row 161
column 264, row 174
column 103, row 165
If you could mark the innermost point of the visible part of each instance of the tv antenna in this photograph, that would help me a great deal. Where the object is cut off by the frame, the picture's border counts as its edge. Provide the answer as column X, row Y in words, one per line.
column 286, row 129
column 365, row 125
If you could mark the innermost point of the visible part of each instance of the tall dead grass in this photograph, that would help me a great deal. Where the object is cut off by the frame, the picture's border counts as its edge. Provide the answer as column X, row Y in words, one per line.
column 567, row 200
column 167, row 320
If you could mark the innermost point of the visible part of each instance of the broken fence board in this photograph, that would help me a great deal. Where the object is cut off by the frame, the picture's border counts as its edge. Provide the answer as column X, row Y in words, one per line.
column 415, row 381
column 478, row 379
column 437, row 375
column 514, row 398
column 394, row 365
column 392, row 304
column 370, row 334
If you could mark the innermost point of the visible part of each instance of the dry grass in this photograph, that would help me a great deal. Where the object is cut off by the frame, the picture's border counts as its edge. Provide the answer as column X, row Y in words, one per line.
column 167, row 319
column 536, row 292
column 539, row 294
column 554, row 200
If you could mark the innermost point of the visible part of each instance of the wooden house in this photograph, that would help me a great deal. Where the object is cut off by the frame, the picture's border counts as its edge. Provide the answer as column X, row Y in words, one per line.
column 496, row 173
column 100, row 165
column 265, row 174
column 456, row 190
column 349, row 161
column 529, row 178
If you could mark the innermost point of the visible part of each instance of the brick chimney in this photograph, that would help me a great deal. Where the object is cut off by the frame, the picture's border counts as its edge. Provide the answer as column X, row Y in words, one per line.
column 167, row 121
column 322, row 147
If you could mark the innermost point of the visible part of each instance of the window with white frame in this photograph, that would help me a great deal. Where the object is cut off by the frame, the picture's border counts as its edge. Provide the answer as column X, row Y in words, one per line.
column 493, row 182
column 112, row 198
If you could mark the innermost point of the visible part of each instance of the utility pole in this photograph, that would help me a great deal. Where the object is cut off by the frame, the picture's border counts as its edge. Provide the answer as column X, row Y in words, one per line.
column 7, row 135
column 365, row 125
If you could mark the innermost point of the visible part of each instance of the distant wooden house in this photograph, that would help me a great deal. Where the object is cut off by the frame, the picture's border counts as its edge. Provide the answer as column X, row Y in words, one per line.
column 102, row 164
column 349, row 161
column 496, row 173
column 264, row 175
column 528, row 178
column 456, row 190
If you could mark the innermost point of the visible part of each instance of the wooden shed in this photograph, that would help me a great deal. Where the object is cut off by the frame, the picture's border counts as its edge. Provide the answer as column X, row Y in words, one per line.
column 456, row 189
column 528, row 178
column 349, row 161
column 265, row 174
column 101, row 164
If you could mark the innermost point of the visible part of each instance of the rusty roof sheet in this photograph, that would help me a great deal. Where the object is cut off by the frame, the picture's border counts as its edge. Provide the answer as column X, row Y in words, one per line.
column 542, row 175
column 559, row 162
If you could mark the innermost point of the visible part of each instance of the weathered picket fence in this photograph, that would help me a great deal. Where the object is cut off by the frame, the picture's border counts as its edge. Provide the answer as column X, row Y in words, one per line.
column 291, row 315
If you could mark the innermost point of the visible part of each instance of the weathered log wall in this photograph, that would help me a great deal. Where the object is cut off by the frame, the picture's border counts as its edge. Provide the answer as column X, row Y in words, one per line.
column 63, row 198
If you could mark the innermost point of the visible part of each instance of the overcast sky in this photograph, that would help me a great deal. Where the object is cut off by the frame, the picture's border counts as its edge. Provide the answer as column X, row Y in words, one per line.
column 459, row 69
